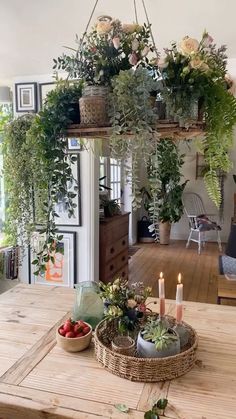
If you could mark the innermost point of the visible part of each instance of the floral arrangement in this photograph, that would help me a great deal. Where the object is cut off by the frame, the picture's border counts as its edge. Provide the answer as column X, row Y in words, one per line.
column 124, row 302
column 197, row 87
column 188, row 67
column 110, row 47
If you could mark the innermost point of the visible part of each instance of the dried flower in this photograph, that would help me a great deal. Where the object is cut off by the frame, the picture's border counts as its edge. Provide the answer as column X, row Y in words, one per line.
column 188, row 46
column 133, row 59
column 145, row 51
column 207, row 40
column 103, row 27
column 114, row 311
column 130, row 27
column 131, row 303
column 135, row 44
column 116, row 42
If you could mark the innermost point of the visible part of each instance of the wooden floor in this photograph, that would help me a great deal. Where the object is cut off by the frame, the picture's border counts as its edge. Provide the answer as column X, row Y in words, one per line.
column 198, row 272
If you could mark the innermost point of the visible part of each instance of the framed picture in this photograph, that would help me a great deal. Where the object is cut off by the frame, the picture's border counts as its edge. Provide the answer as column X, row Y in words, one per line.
column 63, row 219
column 63, row 271
column 75, row 145
column 44, row 89
column 26, row 97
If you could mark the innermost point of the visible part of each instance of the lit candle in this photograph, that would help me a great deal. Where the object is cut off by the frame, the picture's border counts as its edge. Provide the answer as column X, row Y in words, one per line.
column 179, row 300
column 161, row 283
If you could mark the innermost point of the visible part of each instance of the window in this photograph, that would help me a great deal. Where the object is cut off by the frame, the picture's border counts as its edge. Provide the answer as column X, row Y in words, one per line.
column 112, row 170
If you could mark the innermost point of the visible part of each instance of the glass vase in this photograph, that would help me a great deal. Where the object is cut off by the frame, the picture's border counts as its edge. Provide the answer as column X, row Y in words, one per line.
column 88, row 304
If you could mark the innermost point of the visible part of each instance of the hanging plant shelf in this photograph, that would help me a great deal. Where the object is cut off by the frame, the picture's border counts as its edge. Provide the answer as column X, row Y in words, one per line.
column 165, row 129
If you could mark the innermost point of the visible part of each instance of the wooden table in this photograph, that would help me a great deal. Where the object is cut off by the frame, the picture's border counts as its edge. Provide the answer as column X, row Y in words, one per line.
column 226, row 289
column 40, row 380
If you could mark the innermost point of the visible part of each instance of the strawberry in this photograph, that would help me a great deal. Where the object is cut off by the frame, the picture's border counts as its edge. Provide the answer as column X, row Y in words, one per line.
column 77, row 328
column 79, row 335
column 86, row 330
column 70, row 335
column 68, row 327
column 62, row 331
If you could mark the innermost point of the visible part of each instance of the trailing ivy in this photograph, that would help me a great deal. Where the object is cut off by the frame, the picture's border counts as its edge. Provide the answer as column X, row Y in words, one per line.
column 132, row 118
column 39, row 169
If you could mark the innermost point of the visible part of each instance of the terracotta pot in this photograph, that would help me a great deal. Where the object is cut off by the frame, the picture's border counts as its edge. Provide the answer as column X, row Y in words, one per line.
column 164, row 232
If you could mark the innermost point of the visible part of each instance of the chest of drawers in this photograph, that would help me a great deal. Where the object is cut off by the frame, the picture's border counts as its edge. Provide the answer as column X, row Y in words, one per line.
column 113, row 247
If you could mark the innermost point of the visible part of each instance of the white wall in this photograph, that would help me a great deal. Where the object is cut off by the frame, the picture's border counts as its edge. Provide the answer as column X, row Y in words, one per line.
column 87, row 235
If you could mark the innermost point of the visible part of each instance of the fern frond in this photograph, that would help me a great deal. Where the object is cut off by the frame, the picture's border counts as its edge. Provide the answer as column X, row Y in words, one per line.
column 213, row 187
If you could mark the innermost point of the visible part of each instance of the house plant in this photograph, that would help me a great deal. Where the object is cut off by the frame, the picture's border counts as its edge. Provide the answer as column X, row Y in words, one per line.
column 155, row 341
column 39, row 146
column 164, row 175
column 110, row 206
column 197, row 87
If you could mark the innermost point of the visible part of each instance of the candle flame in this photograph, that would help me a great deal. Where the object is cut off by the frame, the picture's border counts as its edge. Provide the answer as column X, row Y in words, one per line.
column 179, row 279
column 161, row 275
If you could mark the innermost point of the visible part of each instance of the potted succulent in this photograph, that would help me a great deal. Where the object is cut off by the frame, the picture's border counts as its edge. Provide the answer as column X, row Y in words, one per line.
column 166, row 190
column 156, row 341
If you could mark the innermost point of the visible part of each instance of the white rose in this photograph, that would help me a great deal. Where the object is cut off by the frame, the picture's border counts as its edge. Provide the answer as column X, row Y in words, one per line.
column 188, row 46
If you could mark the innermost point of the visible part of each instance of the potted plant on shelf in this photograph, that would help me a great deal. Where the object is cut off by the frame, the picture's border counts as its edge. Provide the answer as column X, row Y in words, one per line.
column 166, row 190
column 156, row 341
column 101, row 54
column 196, row 87
column 110, row 206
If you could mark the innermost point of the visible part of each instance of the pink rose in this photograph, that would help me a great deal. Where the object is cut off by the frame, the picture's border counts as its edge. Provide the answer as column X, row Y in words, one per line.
column 116, row 42
column 133, row 59
column 207, row 40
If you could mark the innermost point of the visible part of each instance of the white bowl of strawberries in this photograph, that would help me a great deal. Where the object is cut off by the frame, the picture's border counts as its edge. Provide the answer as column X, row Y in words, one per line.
column 74, row 336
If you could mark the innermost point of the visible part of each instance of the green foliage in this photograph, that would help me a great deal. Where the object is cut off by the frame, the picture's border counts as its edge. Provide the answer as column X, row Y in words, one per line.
column 133, row 139
column 18, row 180
column 157, row 409
column 111, row 206
column 155, row 332
column 38, row 170
column 164, row 179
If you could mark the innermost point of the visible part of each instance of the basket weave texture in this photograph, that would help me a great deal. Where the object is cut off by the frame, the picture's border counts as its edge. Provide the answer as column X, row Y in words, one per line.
column 93, row 111
column 135, row 368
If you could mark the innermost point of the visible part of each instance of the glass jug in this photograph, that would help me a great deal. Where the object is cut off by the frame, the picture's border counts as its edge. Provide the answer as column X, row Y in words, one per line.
column 88, row 304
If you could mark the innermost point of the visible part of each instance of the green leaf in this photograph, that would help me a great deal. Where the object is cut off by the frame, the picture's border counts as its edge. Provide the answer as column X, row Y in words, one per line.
column 161, row 404
column 150, row 415
column 122, row 408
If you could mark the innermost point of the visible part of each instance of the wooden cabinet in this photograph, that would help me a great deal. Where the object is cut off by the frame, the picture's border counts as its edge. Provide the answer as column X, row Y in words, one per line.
column 113, row 247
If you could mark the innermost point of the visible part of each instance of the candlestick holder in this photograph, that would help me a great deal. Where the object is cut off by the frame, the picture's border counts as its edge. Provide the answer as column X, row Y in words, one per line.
column 183, row 333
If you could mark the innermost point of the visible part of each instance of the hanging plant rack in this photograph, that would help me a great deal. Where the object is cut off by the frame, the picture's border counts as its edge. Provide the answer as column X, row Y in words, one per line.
column 163, row 128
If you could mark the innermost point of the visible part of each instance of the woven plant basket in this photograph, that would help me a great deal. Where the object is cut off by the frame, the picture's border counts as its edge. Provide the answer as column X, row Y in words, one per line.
column 93, row 111
column 135, row 368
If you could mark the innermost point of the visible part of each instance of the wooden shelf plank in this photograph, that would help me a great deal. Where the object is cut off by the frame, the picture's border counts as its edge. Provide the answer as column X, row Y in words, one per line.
column 164, row 128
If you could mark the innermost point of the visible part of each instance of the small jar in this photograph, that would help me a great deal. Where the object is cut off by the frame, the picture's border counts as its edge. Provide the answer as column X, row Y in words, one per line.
column 124, row 345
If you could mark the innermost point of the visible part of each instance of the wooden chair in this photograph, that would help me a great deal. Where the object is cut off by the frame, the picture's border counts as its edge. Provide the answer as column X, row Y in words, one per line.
column 193, row 207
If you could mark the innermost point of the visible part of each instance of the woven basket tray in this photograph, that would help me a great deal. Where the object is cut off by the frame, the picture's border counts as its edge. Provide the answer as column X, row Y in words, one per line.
column 135, row 368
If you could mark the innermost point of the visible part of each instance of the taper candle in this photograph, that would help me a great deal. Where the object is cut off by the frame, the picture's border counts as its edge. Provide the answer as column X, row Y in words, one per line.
column 179, row 300
column 161, row 283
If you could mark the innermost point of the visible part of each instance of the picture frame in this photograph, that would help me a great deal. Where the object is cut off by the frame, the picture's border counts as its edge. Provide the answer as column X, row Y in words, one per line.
column 26, row 97
column 63, row 272
column 75, row 145
column 44, row 89
column 63, row 218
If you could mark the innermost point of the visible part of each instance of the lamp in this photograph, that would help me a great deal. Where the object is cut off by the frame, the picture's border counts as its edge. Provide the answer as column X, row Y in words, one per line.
column 5, row 94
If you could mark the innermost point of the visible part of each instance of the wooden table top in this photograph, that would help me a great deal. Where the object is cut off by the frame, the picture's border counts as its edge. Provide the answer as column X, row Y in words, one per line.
column 39, row 380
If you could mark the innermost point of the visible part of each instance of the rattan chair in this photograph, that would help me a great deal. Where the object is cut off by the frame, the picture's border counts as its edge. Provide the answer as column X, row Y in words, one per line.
column 193, row 207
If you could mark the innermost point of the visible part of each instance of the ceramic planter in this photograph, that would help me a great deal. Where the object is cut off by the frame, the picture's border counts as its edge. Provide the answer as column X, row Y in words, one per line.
column 148, row 350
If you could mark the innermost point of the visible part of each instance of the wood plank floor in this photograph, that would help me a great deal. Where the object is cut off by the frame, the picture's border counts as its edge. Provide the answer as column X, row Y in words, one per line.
column 198, row 272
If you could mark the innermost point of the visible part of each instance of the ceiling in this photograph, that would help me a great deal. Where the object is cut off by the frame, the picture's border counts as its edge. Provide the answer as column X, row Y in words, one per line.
column 32, row 32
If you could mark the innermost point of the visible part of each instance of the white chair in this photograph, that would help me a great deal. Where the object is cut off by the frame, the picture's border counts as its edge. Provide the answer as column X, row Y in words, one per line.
column 193, row 207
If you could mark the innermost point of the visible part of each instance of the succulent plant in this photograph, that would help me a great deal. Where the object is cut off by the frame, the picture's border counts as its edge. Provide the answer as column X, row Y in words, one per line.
column 157, row 333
